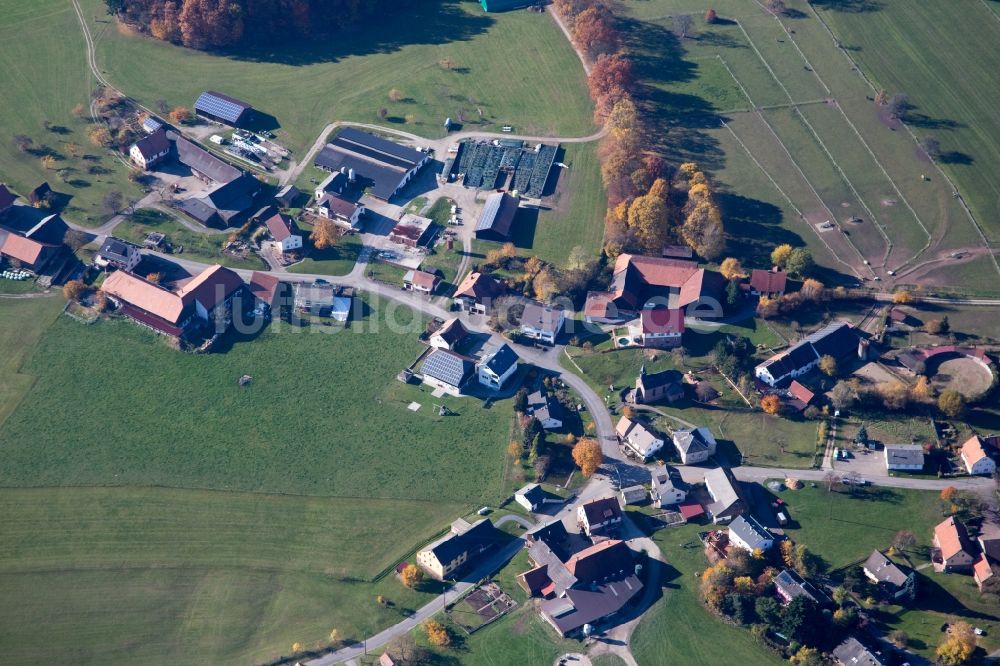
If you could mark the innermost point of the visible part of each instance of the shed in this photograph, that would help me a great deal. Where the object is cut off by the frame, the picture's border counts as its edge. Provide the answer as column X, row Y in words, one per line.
column 223, row 108
column 633, row 495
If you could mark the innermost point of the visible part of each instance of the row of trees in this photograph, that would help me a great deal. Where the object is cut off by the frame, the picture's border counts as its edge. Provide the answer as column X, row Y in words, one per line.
column 897, row 396
column 204, row 24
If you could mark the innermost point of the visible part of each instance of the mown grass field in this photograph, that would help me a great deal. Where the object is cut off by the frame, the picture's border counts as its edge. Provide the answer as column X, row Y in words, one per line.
column 817, row 151
column 44, row 75
column 945, row 58
column 160, row 576
column 205, row 247
column 324, row 415
column 24, row 321
column 510, row 68
column 337, row 260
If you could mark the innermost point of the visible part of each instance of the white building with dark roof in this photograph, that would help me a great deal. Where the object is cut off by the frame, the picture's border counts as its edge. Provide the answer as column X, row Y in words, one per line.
column 116, row 253
column 694, row 445
column 746, row 533
column 906, row 457
column 542, row 322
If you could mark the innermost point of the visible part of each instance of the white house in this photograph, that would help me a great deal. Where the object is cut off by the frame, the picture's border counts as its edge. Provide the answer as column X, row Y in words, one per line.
column 541, row 322
column 975, row 458
column 420, row 281
column 284, row 234
column 837, row 339
column 150, row 150
column 532, row 497
column 546, row 409
column 343, row 212
column 637, row 438
column 663, row 492
column 746, row 533
column 497, row 367
column 694, row 445
column 449, row 335
column 600, row 515
column 119, row 254
column 908, row 457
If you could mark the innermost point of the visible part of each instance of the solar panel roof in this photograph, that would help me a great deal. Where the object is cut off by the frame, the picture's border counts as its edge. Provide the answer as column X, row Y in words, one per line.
column 221, row 106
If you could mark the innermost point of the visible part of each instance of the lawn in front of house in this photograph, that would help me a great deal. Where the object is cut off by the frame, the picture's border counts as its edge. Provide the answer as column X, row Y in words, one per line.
column 337, row 260
column 164, row 576
column 511, row 68
column 187, row 244
column 323, row 415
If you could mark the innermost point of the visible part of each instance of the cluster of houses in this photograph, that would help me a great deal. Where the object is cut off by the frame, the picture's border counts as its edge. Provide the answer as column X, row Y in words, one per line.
column 954, row 551
column 977, row 454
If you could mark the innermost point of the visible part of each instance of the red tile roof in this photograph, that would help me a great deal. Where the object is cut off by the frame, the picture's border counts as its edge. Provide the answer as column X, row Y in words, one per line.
column 263, row 286
column 973, row 450
column 800, row 392
column 662, row 320
column 768, row 282
column 951, row 538
column 690, row 511
column 423, row 279
column 281, row 227
column 478, row 286
column 23, row 249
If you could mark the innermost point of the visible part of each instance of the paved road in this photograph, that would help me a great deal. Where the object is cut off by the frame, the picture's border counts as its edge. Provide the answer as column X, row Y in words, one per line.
column 978, row 483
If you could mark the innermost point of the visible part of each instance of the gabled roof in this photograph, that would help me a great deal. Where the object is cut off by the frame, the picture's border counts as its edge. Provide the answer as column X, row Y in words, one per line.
column 601, row 510
column 478, row 286
column 420, row 279
column 234, row 197
column 852, row 653
column 750, row 531
column 952, row 538
column 411, row 228
column 144, row 295
column 383, row 162
column 694, row 440
column 263, row 286
column 500, row 361
column 543, row 406
column 973, row 450
column 153, row 144
column 793, row 585
column 580, row 606
column 116, row 249
column 210, row 287
column 221, row 106
column 800, row 392
column 639, row 438
column 452, row 331
column 722, row 485
column 447, row 548
column 531, row 492
column 498, row 214
column 448, row 367
column 281, row 227
column 337, row 205
column 904, row 454
column 610, row 558
column 542, row 317
column 661, row 320
column 23, row 249
column 768, row 281
column 202, row 161
column 885, row 570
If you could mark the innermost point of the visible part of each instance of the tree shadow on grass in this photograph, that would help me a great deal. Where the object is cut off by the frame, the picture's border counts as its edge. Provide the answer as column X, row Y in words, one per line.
column 433, row 22
column 849, row 6
column 956, row 157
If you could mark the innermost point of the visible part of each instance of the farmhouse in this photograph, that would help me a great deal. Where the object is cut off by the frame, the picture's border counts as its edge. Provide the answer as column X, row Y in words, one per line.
column 542, row 322
column 546, row 409
column 180, row 312
column 459, row 548
column 659, row 327
column 663, row 492
column 444, row 369
column 497, row 367
column 890, row 578
column 694, row 445
column 790, row 585
column 451, row 333
column 413, row 231
column 384, row 166
column 837, row 339
column 907, row 457
column 974, row 457
column 599, row 516
column 727, row 502
column 497, row 219
column 150, row 150
column 222, row 108
column 419, row 281
column 28, row 236
column 478, row 292
column 202, row 163
column 982, row 571
column 746, row 533
column 665, row 386
column 604, row 582
column 952, row 550
column 116, row 253
column 637, row 280
column 284, row 233
column 770, row 283
column 637, row 438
